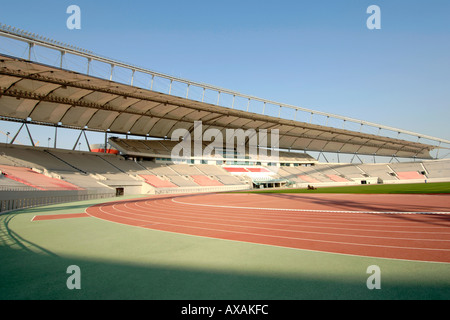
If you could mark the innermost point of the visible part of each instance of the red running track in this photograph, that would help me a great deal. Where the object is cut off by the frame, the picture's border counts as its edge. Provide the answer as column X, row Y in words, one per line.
column 411, row 227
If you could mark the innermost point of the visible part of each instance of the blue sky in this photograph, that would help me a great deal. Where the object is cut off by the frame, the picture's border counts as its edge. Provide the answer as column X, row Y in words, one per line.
column 314, row 54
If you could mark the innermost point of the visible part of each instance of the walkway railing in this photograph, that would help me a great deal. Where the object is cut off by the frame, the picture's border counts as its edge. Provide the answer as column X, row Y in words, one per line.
column 14, row 200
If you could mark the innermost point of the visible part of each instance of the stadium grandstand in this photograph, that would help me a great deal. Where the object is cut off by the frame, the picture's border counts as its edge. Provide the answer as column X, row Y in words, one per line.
column 136, row 123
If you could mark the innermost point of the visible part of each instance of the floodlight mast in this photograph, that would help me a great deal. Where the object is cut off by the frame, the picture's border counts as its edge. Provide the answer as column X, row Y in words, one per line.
column 36, row 40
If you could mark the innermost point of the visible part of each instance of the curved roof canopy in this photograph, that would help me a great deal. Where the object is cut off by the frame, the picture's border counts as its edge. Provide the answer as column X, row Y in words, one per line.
column 54, row 96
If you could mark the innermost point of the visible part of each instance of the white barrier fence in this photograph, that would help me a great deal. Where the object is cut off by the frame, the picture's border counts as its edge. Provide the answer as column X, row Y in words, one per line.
column 202, row 189
column 14, row 200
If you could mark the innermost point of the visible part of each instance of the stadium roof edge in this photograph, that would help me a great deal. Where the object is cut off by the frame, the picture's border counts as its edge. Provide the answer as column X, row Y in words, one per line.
column 50, row 95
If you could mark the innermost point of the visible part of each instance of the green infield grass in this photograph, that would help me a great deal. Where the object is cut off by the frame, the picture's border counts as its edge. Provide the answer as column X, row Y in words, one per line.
column 412, row 188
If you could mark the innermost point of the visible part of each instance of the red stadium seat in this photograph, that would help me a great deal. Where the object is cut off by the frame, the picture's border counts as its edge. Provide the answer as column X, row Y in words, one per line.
column 206, row 181
column 158, row 182
column 36, row 180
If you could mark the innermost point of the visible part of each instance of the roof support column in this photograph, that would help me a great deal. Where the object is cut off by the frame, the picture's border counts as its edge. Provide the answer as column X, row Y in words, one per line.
column 87, row 141
column 106, row 141
column 56, row 136
column 29, row 135
column 394, row 157
column 88, row 65
column 359, row 159
column 61, row 59
column 15, row 136
column 151, row 84
column 438, row 148
column 78, row 139
column 30, row 46
column 111, row 75
column 132, row 78
column 170, row 86
column 321, row 153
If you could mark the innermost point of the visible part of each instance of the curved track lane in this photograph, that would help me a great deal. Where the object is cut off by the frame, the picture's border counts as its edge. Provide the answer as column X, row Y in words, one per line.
column 411, row 227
